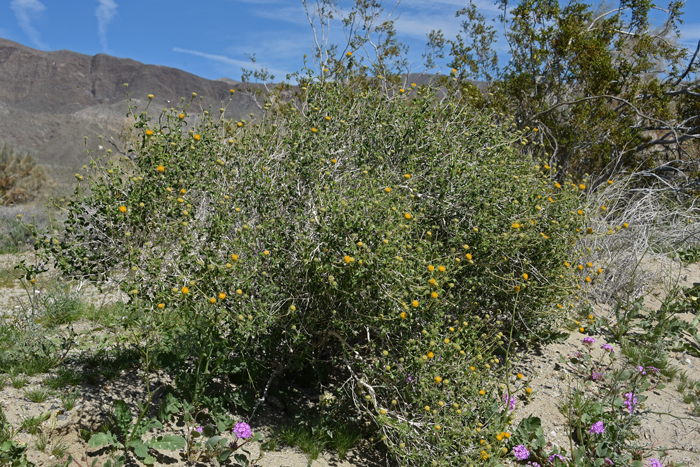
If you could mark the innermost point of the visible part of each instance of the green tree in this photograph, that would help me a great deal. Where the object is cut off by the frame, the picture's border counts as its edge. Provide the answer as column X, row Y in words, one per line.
column 604, row 88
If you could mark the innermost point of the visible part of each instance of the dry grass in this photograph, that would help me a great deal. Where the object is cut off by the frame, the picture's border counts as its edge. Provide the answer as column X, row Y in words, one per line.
column 661, row 222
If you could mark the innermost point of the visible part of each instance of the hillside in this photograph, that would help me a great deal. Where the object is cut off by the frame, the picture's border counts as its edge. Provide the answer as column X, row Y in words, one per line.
column 50, row 100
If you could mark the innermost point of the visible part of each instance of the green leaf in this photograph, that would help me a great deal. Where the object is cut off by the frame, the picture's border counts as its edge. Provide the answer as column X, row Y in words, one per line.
column 209, row 431
column 168, row 442
column 140, row 449
column 256, row 437
column 102, row 439
column 123, row 415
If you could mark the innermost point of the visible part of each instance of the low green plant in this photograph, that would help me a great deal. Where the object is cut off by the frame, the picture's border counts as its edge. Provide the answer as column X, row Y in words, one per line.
column 61, row 306
column 19, row 381
column 70, row 398
column 37, row 394
column 295, row 435
column 32, row 424
column 603, row 407
column 8, row 276
column 42, row 441
column 128, row 434
column 62, row 378
column 4, row 379
column 59, row 448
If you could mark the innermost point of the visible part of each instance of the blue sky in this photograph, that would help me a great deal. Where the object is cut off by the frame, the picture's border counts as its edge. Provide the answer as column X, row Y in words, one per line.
column 211, row 38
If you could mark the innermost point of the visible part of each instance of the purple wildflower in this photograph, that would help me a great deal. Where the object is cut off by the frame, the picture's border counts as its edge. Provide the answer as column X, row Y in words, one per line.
column 608, row 462
column 199, row 429
column 630, row 401
column 242, row 430
column 509, row 401
column 409, row 378
column 653, row 370
column 588, row 340
column 578, row 355
column 533, row 464
column 520, row 452
column 556, row 456
column 597, row 428
column 641, row 370
column 595, row 376
column 655, row 463
column 607, row 348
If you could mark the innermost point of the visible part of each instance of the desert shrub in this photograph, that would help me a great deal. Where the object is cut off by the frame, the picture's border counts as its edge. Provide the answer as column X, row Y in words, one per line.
column 401, row 239
column 21, row 177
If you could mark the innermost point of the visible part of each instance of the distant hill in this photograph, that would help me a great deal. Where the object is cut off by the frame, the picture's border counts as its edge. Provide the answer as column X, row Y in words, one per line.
column 50, row 100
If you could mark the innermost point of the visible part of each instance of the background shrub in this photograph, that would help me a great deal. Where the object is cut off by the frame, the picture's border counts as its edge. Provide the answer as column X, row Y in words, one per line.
column 399, row 239
column 21, row 178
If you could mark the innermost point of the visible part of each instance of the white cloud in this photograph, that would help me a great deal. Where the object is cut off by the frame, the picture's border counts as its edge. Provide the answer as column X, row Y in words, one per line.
column 105, row 11
column 226, row 60
column 24, row 9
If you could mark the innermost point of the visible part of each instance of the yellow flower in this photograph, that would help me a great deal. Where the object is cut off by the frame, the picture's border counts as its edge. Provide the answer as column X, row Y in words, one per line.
column 550, row 199
column 414, row 84
column 482, row 392
column 169, row 190
column 431, row 268
column 403, row 315
column 566, row 263
column 222, row 296
column 382, row 411
column 610, row 182
column 517, row 288
column 506, row 435
column 438, row 379
column 469, row 256
column 212, row 300
column 414, row 303
column 196, row 137
column 239, row 291
column 348, row 54
column 185, row 290
column 588, row 279
column 431, row 355
column 314, row 130
column 582, row 186
column 401, row 91
column 407, row 176
column 183, row 191
column 432, row 282
column 122, row 208
column 580, row 267
column 446, row 341
column 520, row 376
column 525, row 276
column 441, row 268
column 387, row 189
column 328, row 118
column 438, row 427
column 557, row 185
column 348, row 259
column 589, row 264
column 546, row 166
column 149, row 132
column 334, row 160
column 150, row 97
column 234, row 257
column 581, row 330
column 180, row 200
column 484, row 455
column 407, row 216
column 603, row 208
column 427, row 408
column 434, row 295
column 580, row 213
column 515, row 226
column 161, row 305
column 181, row 116
column 499, row 437
column 600, row 271
column 472, row 368
column 266, row 252
column 239, row 124
column 160, row 168
column 625, row 225
column 528, row 390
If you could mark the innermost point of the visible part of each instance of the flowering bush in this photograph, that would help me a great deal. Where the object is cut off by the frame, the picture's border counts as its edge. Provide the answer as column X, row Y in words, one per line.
column 403, row 239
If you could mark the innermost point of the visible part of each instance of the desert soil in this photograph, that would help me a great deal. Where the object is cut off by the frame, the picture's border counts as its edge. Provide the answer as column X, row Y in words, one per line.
column 549, row 379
